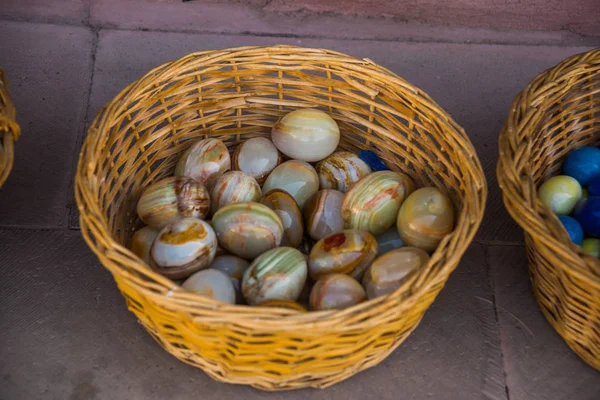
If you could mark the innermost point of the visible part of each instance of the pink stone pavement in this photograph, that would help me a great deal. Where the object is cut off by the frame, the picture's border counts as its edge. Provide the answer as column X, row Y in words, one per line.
column 65, row 332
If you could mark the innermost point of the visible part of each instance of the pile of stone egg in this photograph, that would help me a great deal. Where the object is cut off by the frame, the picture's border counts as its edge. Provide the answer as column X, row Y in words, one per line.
column 253, row 229
column 574, row 197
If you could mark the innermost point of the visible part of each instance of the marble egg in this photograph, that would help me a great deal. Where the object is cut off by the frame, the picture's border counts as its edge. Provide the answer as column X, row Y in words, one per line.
column 204, row 161
column 234, row 187
column 277, row 303
column 247, row 229
column 573, row 228
column 348, row 252
column 425, row 218
column 183, row 247
column 341, row 170
column 591, row 246
column 389, row 240
column 372, row 203
column 234, row 267
column 336, row 292
column 390, row 271
column 172, row 198
column 323, row 213
column 212, row 284
column 256, row 157
column 582, row 164
column 141, row 242
column 560, row 193
column 587, row 214
column 298, row 178
column 288, row 211
column 277, row 274
column 306, row 134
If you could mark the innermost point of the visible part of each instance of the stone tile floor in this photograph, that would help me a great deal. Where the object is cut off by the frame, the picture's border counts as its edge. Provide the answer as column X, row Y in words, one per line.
column 65, row 331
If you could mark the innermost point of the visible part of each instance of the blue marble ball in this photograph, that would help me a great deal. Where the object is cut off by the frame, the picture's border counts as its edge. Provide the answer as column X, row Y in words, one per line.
column 593, row 186
column 588, row 215
column 573, row 229
column 371, row 159
column 583, row 164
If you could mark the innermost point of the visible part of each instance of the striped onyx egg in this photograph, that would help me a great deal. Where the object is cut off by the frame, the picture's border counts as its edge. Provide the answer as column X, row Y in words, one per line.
column 372, row 204
column 277, row 274
column 247, row 229
column 183, row 247
column 348, row 252
column 256, row 157
column 204, row 161
column 298, row 178
column 234, row 187
column 288, row 211
column 341, row 170
column 172, row 198
column 323, row 213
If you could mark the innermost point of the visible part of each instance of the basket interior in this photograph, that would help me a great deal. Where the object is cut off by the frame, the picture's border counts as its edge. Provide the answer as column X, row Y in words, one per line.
column 569, row 118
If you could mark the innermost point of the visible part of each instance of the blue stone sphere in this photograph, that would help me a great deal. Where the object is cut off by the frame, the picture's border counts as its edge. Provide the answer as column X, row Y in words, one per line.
column 593, row 186
column 583, row 164
column 573, row 228
column 588, row 215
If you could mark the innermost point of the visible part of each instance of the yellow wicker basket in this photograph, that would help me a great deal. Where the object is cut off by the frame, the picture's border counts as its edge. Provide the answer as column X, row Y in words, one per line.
column 557, row 112
column 235, row 94
column 9, row 130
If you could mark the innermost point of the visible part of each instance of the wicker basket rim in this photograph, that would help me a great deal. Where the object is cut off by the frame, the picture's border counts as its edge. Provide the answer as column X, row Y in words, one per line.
column 110, row 251
column 507, row 169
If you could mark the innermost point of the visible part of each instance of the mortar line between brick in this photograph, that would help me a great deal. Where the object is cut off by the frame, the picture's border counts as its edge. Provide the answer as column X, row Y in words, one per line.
column 471, row 41
column 486, row 258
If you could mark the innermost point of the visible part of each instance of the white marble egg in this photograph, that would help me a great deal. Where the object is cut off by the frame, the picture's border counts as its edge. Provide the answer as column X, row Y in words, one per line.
column 306, row 134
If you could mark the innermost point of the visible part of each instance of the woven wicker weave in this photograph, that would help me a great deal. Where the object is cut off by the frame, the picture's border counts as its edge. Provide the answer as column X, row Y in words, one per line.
column 557, row 112
column 9, row 130
column 233, row 95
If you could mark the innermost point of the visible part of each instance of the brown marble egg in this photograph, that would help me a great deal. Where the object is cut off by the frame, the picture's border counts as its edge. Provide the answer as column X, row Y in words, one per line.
column 204, row 161
column 234, row 187
column 323, row 213
column 391, row 270
column 425, row 217
column 256, row 157
column 288, row 211
column 336, row 292
column 347, row 252
column 173, row 198
column 341, row 170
